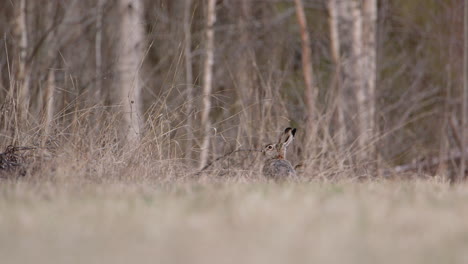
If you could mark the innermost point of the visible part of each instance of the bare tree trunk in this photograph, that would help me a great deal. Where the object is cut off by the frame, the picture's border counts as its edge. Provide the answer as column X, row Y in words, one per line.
column 334, row 33
column 22, row 73
column 335, row 51
column 353, row 27
column 96, row 95
column 49, row 97
column 131, row 56
column 347, row 93
column 188, row 75
column 246, row 94
column 363, row 53
column 369, row 75
column 49, row 103
column 464, row 103
column 207, row 81
column 340, row 125
column 358, row 76
column 444, row 145
column 310, row 94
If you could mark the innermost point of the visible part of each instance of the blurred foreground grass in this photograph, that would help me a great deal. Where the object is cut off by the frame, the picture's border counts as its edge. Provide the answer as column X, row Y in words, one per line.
column 318, row 222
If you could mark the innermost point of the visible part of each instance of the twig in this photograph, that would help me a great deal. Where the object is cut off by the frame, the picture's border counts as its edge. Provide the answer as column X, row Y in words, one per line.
column 222, row 157
column 425, row 164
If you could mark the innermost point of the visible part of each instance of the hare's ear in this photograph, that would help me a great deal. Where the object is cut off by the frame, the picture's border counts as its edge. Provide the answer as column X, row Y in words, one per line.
column 293, row 132
column 287, row 137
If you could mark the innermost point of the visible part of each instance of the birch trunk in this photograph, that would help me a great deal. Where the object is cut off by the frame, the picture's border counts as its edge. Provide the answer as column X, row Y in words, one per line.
column 369, row 76
column 22, row 74
column 340, row 124
column 130, row 59
column 97, row 94
column 353, row 34
column 347, row 76
column 49, row 104
column 363, row 73
column 49, row 97
column 188, row 75
column 246, row 95
column 309, row 91
column 357, row 58
column 207, row 81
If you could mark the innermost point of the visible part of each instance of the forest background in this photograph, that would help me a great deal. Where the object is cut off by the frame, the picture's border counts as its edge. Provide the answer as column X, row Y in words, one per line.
column 367, row 85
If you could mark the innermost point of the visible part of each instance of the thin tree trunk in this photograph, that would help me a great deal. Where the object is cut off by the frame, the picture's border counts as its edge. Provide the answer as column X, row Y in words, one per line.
column 364, row 56
column 357, row 32
column 98, row 54
column 369, row 75
column 444, row 143
column 22, row 74
column 335, row 51
column 464, row 103
column 188, row 75
column 207, row 81
column 131, row 55
column 340, row 125
column 346, row 93
column 358, row 77
column 246, row 94
column 49, row 103
column 49, row 97
column 310, row 94
column 334, row 33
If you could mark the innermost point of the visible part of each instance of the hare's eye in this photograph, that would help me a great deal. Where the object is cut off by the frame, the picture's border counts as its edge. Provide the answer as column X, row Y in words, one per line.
column 270, row 147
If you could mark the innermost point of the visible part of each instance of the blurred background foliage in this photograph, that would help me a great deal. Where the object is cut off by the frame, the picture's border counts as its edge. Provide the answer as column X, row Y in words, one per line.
column 258, row 83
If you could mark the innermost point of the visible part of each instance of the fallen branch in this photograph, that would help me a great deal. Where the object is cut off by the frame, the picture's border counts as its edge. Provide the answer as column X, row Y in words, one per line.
column 427, row 163
column 222, row 157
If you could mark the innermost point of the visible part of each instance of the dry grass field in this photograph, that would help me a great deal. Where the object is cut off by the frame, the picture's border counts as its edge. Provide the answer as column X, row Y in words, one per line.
column 418, row 221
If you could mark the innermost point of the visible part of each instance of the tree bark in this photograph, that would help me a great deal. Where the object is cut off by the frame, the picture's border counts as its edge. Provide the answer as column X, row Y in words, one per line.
column 353, row 33
column 333, row 21
column 339, row 119
column 97, row 94
column 22, row 74
column 246, row 93
column 131, row 56
column 464, row 103
column 347, row 109
column 369, row 76
column 334, row 33
column 188, row 75
column 49, row 98
column 49, row 103
column 310, row 94
column 357, row 58
column 207, row 81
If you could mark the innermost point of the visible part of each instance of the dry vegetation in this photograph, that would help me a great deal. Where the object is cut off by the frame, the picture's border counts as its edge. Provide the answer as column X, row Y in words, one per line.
column 347, row 222
column 83, row 203
column 102, row 136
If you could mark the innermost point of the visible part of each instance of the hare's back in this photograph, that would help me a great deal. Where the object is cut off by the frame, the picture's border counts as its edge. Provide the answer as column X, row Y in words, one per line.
column 278, row 168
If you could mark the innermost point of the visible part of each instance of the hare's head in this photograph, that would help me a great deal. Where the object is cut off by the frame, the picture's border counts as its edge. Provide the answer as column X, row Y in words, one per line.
column 270, row 151
column 278, row 150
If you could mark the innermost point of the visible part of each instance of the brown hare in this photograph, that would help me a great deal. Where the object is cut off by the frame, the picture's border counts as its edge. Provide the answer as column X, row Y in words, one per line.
column 276, row 166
